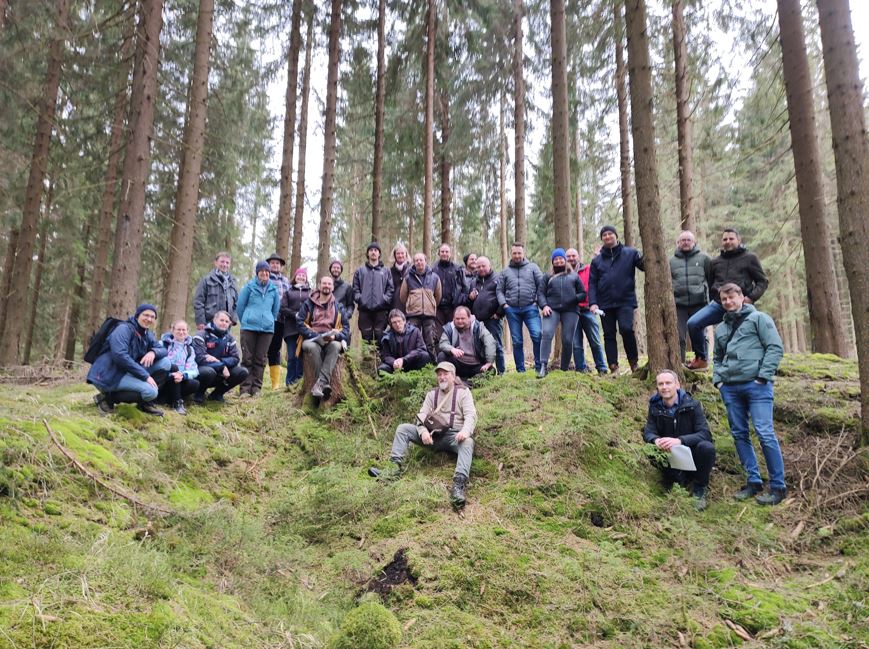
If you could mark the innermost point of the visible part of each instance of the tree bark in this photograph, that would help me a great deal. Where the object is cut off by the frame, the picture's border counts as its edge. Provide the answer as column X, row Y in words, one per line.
column 78, row 301
column 560, row 128
column 37, row 280
column 177, row 286
column 519, row 124
column 580, row 235
column 851, row 151
column 825, row 314
column 8, row 265
column 428, row 184
column 282, row 235
column 329, row 136
column 379, row 105
column 445, row 168
column 660, row 308
column 502, row 181
column 296, row 258
column 624, row 142
column 19, row 280
column 127, row 263
column 3, row 5
column 683, row 119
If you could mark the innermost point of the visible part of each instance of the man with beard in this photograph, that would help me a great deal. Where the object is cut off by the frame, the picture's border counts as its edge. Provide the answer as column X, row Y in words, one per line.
column 400, row 267
column 484, row 307
column 469, row 272
column 372, row 291
column 467, row 344
column 343, row 292
column 445, row 422
column 689, row 267
column 215, row 292
column 420, row 294
column 323, row 327
column 453, row 291
column 519, row 291
column 588, row 323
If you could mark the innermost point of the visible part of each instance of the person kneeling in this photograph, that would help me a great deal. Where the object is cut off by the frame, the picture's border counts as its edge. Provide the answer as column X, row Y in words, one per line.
column 131, row 365
column 676, row 419
column 468, row 344
column 324, row 328
column 218, row 359
column 182, row 375
column 402, row 346
column 445, row 422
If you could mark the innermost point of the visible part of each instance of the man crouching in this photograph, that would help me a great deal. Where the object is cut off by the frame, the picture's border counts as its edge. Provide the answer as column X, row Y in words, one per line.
column 445, row 422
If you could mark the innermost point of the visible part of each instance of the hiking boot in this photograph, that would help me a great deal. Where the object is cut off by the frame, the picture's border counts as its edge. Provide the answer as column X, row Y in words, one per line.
column 199, row 399
column 697, row 364
column 317, row 390
column 216, row 396
column 327, row 390
column 771, row 497
column 457, row 493
column 392, row 471
column 700, row 502
column 178, row 407
column 104, row 403
column 542, row 371
column 602, row 372
column 634, row 365
column 149, row 408
column 748, row 490
column 614, row 368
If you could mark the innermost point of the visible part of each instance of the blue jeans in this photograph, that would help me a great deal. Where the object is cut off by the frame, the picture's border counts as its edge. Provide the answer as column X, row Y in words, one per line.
column 496, row 328
column 753, row 399
column 709, row 316
column 294, row 363
column 147, row 392
column 530, row 316
column 588, row 323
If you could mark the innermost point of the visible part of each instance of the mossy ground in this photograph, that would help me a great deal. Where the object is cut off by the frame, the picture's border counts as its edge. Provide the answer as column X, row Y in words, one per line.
column 567, row 539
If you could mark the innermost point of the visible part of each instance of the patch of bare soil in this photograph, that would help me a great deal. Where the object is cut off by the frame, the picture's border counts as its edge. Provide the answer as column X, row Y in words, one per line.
column 393, row 574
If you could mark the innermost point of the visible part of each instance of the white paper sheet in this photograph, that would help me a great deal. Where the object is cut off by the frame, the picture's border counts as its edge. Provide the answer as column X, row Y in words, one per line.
column 680, row 458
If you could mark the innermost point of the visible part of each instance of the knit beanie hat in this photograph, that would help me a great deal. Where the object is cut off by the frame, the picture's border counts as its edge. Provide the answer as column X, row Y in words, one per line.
column 261, row 265
column 145, row 307
column 339, row 262
column 301, row 271
column 371, row 245
column 558, row 252
column 608, row 228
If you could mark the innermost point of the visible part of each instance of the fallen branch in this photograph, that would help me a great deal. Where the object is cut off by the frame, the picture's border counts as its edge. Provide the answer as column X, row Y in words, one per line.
column 366, row 401
column 90, row 474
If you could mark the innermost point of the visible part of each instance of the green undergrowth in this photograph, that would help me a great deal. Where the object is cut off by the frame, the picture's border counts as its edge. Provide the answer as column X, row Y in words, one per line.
column 277, row 533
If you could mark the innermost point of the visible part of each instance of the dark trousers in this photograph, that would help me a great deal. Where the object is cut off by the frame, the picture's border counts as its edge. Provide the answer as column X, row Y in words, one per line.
column 416, row 363
column 463, row 370
column 698, row 337
column 254, row 351
column 704, row 459
column 274, row 353
column 428, row 326
column 211, row 378
column 372, row 324
column 172, row 392
column 294, row 362
column 444, row 315
column 496, row 327
column 622, row 316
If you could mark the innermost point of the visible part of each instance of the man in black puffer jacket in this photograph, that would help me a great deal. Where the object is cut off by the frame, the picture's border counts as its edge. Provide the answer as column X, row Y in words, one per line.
column 402, row 346
column 675, row 419
column 485, row 308
column 453, row 291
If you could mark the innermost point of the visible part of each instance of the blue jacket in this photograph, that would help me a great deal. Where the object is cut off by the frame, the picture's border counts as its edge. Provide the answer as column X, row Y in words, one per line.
column 220, row 344
column 181, row 354
column 121, row 353
column 258, row 306
column 611, row 281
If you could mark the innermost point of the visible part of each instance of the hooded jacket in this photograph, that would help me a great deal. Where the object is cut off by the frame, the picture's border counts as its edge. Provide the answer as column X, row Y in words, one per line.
column 372, row 287
column 291, row 302
column 688, row 271
column 485, row 306
column 740, row 267
column 181, row 354
column 520, row 284
column 421, row 294
column 564, row 291
column 215, row 292
column 484, row 343
column 211, row 341
column 611, row 280
column 687, row 422
column 308, row 313
column 408, row 345
column 120, row 355
column 258, row 306
column 754, row 352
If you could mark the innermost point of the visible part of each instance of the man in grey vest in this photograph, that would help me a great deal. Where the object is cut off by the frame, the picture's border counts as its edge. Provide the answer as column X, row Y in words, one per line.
column 689, row 267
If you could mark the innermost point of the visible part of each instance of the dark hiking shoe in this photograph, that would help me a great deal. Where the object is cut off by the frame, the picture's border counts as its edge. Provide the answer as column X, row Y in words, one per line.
column 700, row 502
column 392, row 471
column 748, row 490
column 457, row 493
column 216, row 396
column 327, row 390
column 541, row 373
column 634, row 365
column 317, row 390
column 104, row 403
column 602, row 372
column 198, row 399
column 178, row 407
column 614, row 368
column 149, row 408
column 771, row 497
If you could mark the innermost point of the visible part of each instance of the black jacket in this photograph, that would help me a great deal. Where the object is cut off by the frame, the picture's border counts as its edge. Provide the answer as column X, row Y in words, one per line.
column 343, row 293
column 452, row 283
column 408, row 346
column 688, row 424
column 398, row 277
column 563, row 292
column 740, row 267
column 291, row 302
column 485, row 306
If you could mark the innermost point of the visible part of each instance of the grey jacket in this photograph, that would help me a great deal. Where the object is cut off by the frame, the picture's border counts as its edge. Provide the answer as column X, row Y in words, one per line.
column 373, row 287
column 688, row 271
column 484, row 343
column 214, row 294
column 520, row 285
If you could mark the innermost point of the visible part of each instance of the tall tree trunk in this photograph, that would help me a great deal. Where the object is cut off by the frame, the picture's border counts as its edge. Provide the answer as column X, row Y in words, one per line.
column 96, row 308
column 446, row 167
column 127, row 263
column 560, row 127
column 20, row 277
column 683, row 119
column 410, row 211
column 502, row 181
column 624, row 142
column 296, row 259
column 282, row 236
column 329, row 134
column 8, row 265
column 177, row 286
column 580, row 235
column 660, row 309
column 518, row 124
column 37, row 280
column 78, row 301
column 848, row 121
column 379, row 105
column 825, row 313
column 428, row 185
column 3, row 5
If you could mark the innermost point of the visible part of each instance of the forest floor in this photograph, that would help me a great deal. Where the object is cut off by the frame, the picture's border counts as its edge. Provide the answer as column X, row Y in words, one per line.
column 271, row 532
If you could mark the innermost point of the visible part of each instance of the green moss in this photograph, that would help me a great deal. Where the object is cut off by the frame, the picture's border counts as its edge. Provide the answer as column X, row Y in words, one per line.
column 52, row 508
column 370, row 625
column 758, row 609
column 188, row 498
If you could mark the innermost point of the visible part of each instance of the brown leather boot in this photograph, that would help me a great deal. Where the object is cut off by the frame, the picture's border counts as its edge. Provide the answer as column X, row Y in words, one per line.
column 614, row 368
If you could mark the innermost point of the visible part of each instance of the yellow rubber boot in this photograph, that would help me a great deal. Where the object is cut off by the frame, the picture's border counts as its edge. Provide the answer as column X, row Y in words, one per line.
column 275, row 373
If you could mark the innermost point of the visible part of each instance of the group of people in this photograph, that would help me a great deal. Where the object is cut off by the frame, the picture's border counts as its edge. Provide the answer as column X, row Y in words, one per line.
column 452, row 315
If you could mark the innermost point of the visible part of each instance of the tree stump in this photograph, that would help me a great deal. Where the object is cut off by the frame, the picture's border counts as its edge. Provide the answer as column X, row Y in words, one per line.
column 309, row 378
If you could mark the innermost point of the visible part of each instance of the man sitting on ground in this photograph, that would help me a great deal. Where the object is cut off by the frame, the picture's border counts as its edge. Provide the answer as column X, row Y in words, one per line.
column 218, row 359
column 676, row 419
column 467, row 344
column 323, row 328
column 445, row 422
column 402, row 346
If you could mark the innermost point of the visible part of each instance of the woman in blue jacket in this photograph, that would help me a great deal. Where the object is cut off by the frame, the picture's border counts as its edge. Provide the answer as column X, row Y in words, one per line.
column 258, row 306
column 563, row 291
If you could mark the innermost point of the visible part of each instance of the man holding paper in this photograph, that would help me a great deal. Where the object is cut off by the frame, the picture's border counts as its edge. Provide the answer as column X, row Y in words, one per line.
column 676, row 424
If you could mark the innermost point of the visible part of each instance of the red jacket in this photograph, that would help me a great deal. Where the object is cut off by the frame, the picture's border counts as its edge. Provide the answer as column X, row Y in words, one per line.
column 583, row 272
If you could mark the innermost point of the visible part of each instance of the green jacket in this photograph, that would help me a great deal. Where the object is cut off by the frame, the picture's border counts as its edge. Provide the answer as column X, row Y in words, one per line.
column 688, row 271
column 754, row 352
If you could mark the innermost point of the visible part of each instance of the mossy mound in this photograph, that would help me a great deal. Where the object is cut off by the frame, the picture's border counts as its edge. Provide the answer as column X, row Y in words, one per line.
column 370, row 625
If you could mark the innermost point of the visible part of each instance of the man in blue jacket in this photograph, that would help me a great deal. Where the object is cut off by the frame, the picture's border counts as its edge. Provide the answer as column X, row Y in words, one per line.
column 218, row 359
column 612, row 294
column 132, row 365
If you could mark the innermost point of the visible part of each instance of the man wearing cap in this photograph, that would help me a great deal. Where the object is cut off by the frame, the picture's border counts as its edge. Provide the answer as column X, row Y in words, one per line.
column 519, row 292
column 215, row 292
column 445, row 422
column 291, row 303
column 258, row 307
column 399, row 269
column 467, row 344
column 343, row 292
column 612, row 294
column 132, row 365
column 276, row 274
column 588, row 322
column 372, row 291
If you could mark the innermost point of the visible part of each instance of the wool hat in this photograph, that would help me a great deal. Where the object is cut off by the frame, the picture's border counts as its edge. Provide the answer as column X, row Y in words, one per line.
column 301, row 271
column 608, row 228
column 558, row 252
column 277, row 257
column 145, row 307
column 261, row 265
column 371, row 245
column 339, row 262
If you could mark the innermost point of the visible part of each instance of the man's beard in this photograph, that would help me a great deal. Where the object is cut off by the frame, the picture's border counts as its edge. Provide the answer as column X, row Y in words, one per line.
column 444, row 385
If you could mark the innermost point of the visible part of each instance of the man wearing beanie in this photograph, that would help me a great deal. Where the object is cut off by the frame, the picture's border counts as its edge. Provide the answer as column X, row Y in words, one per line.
column 612, row 290
column 131, row 365
column 372, row 292
column 258, row 307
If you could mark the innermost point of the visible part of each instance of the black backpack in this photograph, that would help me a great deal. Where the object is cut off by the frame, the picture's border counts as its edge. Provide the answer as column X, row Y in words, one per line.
column 98, row 340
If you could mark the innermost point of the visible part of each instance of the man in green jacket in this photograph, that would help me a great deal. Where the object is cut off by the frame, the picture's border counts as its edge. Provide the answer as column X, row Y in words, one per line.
column 748, row 350
column 689, row 267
